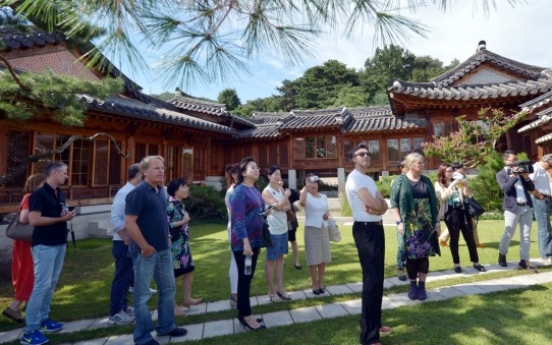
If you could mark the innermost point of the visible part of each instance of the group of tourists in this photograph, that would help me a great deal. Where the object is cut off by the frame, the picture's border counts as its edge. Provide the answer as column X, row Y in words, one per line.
column 151, row 239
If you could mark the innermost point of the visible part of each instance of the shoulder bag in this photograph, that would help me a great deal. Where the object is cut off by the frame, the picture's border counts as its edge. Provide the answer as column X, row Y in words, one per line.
column 17, row 230
column 333, row 230
column 265, row 234
column 473, row 208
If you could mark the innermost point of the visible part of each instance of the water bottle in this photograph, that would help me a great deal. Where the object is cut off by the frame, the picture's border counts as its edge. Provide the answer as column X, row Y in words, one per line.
column 248, row 269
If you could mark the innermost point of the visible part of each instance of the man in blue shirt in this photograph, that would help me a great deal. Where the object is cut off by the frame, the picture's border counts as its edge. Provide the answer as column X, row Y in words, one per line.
column 147, row 224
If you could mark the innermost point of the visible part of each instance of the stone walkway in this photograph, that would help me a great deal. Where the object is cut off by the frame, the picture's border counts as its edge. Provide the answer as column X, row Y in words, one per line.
column 307, row 314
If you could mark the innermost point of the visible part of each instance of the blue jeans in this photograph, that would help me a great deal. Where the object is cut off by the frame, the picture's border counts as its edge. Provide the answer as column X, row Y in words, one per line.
column 524, row 217
column 541, row 209
column 122, row 278
column 48, row 261
column 157, row 266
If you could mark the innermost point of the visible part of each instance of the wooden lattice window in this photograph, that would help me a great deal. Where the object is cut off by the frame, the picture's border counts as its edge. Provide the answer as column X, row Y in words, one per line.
column 80, row 163
column 43, row 143
column 100, row 177
column 115, row 165
column 18, row 150
column 188, row 164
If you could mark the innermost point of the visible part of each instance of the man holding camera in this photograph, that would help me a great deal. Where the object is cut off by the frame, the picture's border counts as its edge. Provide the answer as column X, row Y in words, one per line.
column 541, row 206
column 517, row 204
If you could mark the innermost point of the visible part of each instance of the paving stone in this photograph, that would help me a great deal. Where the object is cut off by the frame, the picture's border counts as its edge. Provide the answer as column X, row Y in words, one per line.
column 263, row 300
column 353, row 307
column 355, row 287
column 218, row 328
column 387, row 303
column 308, row 314
column 434, row 296
column 11, row 335
column 197, row 309
column 195, row 332
column 162, row 340
column 394, row 281
column 508, row 283
column 124, row 339
column 338, row 289
column 533, row 279
column 218, row 306
column 490, row 286
column 469, row 289
column 388, row 283
column 331, row 310
column 100, row 341
column 297, row 295
column 99, row 323
column 75, row 326
column 449, row 292
column 402, row 300
column 278, row 318
column 253, row 301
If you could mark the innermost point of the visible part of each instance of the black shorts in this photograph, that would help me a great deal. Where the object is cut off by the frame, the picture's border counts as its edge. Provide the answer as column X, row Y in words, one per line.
column 291, row 235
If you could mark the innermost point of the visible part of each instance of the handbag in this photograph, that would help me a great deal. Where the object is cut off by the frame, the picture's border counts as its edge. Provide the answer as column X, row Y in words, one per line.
column 333, row 230
column 265, row 234
column 473, row 208
column 17, row 230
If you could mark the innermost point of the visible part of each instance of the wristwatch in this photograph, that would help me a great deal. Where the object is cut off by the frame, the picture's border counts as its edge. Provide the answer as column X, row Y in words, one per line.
column 398, row 222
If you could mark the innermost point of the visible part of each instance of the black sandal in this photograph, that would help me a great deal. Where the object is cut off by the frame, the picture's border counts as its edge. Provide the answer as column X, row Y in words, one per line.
column 479, row 267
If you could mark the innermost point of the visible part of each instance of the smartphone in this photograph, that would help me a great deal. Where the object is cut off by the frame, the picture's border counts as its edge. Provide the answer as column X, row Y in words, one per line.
column 71, row 208
column 267, row 210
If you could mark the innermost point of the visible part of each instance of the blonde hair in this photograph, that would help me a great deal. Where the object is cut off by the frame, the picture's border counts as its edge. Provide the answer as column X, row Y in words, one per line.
column 412, row 158
column 146, row 161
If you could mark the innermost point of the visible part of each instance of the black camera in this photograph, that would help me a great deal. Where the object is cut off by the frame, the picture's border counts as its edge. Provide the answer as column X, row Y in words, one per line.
column 521, row 167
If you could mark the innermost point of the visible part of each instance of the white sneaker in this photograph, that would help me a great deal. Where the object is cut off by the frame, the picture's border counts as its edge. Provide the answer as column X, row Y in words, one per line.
column 153, row 291
column 121, row 318
column 547, row 262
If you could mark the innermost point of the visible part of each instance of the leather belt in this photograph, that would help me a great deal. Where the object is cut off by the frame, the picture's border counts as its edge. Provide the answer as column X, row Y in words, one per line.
column 370, row 223
column 522, row 204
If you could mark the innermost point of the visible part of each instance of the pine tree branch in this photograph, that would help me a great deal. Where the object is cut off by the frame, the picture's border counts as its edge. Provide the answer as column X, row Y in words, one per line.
column 13, row 74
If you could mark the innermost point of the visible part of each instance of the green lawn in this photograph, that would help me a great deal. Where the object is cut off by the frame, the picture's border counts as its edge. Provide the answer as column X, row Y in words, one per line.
column 83, row 292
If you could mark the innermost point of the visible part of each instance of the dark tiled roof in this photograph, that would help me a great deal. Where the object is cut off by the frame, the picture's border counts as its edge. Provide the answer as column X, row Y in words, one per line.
column 261, row 131
column 379, row 119
column 544, row 139
column 301, row 119
column 483, row 55
column 537, row 123
column 264, row 117
column 14, row 39
column 134, row 108
column 468, row 92
column 537, row 102
column 187, row 103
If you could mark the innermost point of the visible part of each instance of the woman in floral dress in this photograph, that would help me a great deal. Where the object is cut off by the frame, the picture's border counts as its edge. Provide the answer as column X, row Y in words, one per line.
column 183, row 263
column 414, row 205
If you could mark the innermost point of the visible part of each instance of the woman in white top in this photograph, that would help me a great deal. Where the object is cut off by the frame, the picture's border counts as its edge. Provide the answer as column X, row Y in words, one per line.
column 317, row 239
column 277, row 198
column 232, row 171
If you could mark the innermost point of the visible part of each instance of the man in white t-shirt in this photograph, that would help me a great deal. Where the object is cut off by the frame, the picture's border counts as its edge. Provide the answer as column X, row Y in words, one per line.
column 541, row 206
column 367, row 205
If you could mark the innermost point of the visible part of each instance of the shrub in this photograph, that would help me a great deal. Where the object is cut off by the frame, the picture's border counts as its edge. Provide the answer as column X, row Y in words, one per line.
column 484, row 185
column 205, row 202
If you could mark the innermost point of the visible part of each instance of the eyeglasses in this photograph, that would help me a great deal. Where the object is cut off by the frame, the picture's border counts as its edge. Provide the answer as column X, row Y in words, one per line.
column 362, row 154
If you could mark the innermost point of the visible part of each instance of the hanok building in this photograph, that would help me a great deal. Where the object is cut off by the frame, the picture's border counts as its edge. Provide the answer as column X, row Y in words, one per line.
column 199, row 138
column 540, row 130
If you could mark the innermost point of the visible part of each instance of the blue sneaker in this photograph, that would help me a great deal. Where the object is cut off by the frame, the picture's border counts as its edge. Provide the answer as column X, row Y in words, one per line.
column 50, row 326
column 34, row 338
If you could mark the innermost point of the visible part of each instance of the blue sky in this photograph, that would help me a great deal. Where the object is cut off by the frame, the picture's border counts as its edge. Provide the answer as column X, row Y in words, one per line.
column 522, row 33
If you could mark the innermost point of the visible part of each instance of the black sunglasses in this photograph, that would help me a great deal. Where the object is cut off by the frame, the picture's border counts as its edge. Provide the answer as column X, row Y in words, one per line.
column 362, row 154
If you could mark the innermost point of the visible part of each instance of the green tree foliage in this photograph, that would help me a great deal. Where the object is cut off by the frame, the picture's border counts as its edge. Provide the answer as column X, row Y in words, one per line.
column 165, row 96
column 22, row 97
column 475, row 140
column 320, row 86
column 486, row 189
column 351, row 96
column 229, row 97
